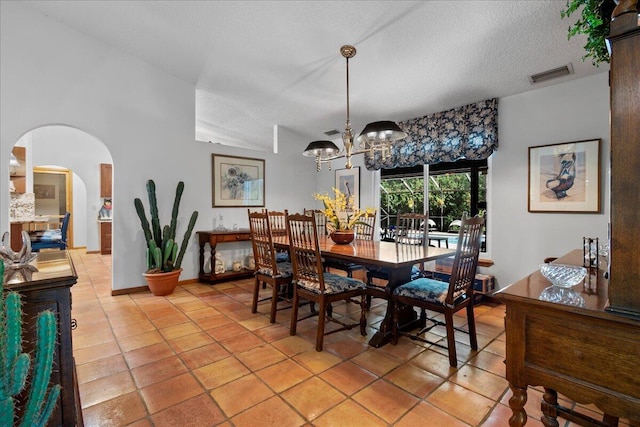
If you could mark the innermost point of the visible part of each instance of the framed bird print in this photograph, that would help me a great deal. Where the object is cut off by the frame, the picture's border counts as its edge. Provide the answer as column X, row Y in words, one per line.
column 565, row 177
column 348, row 182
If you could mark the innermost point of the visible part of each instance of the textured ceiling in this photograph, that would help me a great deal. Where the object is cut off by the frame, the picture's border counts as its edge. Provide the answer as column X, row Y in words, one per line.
column 256, row 64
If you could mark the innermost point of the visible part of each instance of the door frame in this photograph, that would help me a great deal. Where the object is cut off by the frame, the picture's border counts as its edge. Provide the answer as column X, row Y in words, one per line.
column 68, row 194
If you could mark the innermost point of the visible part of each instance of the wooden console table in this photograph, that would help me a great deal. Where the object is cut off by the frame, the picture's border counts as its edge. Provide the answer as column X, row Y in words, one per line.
column 214, row 237
column 50, row 289
column 586, row 353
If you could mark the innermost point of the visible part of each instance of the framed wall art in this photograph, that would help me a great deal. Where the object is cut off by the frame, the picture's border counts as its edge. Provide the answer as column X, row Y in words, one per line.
column 348, row 182
column 237, row 181
column 565, row 177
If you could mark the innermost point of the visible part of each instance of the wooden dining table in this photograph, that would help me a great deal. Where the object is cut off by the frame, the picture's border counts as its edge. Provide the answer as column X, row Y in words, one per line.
column 396, row 259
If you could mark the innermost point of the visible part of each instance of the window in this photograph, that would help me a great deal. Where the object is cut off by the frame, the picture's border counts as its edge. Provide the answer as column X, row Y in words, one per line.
column 452, row 188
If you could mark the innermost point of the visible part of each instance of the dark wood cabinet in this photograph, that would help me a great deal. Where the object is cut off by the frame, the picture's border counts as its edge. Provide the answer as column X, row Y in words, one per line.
column 50, row 289
column 18, row 174
column 105, row 179
column 213, row 238
column 105, row 237
column 624, row 292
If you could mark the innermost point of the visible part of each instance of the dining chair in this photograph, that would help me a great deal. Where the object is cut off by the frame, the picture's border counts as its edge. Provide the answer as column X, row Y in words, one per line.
column 311, row 282
column 278, row 224
column 409, row 231
column 51, row 239
column 446, row 298
column 364, row 230
column 277, row 274
column 321, row 220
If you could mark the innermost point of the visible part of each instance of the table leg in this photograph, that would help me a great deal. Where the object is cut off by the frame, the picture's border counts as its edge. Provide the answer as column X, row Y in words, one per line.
column 201, row 260
column 516, row 403
column 407, row 315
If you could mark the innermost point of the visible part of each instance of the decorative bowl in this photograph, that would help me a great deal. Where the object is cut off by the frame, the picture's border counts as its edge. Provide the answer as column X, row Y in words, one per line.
column 563, row 276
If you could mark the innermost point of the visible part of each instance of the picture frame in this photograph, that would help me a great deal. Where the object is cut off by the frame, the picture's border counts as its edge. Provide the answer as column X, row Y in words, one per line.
column 565, row 177
column 237, row 181
column 348, row 182
column 44, row 191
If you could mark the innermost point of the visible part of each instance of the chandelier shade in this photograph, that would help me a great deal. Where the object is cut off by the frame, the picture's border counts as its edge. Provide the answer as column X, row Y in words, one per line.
column 321, row 149
column 381, row 132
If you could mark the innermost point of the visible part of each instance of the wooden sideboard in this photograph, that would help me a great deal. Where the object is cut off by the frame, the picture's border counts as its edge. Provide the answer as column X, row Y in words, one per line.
column 583, row 352
column 213, row 238
column 50, row 289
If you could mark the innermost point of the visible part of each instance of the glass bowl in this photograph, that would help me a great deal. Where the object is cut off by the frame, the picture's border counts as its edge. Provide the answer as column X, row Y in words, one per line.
column 563, row 276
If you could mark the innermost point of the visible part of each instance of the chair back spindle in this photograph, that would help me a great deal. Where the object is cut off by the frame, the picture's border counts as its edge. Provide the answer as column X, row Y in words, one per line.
column 305, row 250
column 465, row 262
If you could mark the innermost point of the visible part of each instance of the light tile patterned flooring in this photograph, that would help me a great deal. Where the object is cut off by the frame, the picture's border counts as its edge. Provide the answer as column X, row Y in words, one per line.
column 200, row 358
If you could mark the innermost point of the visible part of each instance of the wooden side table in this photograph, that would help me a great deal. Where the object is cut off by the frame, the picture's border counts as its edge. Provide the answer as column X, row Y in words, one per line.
column 213, row 237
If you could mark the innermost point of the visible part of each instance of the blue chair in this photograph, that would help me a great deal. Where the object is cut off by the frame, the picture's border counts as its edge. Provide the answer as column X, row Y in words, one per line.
column 51, row 239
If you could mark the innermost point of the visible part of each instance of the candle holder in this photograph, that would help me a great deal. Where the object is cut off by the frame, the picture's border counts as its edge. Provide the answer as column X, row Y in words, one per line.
column 590, row 249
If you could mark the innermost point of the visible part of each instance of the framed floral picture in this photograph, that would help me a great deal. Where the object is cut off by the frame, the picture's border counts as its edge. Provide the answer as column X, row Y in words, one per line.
column 237, row 181
column 348, row 182
column 565, row 177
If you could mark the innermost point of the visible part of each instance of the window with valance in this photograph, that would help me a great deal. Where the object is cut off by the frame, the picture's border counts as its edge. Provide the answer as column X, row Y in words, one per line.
column 468, row 132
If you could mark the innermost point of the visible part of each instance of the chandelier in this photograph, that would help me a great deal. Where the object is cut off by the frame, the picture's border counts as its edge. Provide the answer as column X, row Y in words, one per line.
column 376, row 136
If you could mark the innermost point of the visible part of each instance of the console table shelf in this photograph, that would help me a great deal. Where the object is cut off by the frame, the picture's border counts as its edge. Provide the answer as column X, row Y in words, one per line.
column 213, row 237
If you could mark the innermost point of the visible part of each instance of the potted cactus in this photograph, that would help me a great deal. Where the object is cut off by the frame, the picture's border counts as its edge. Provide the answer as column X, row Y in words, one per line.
column 162, row 254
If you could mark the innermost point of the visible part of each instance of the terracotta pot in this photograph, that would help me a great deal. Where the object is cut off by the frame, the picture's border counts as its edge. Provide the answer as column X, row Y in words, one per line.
column 162, row 283
column 343, row 237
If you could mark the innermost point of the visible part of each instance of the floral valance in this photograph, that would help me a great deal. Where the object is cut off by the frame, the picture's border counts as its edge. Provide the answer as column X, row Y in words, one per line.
column 469, row 132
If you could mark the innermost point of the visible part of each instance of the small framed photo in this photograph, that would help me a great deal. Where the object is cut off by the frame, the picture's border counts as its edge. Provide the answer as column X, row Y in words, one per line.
column 237, row 181
column 348, row 182
column 565, row 177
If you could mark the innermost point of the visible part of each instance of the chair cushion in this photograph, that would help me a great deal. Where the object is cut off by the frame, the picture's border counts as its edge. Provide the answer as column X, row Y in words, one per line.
column 285, row 269
column 282, row 257
column 342, row 265
column 333, row 283
column 47, row 236
column 430, row 290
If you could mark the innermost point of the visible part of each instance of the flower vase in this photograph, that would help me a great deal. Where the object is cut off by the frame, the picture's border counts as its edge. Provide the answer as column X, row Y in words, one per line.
column 342, row 237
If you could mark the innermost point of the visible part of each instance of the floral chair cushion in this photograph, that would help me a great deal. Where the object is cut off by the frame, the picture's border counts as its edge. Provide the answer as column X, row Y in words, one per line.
column 285, row 269
column 333, row 283
column 282, row 257
column 425, row 289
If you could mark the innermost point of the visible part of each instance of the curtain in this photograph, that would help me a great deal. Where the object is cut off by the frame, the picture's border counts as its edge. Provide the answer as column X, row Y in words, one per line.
column 468, row 132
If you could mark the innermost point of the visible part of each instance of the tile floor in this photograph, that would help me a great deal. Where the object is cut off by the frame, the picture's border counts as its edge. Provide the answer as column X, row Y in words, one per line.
column 200, row 358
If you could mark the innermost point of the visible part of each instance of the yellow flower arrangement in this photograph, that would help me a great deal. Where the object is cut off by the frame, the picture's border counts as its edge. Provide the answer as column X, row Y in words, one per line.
column 339, row 218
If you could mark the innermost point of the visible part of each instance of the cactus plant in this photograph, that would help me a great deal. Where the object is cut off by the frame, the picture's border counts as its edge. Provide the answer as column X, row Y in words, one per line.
column 15, row 365
column 162, row 248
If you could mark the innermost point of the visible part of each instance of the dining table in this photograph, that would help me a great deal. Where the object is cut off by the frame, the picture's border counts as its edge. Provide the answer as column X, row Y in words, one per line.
column 396, row 259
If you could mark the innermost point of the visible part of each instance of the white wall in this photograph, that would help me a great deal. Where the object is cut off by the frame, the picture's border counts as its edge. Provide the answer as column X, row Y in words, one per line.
column 50, row 74
column 573, row 111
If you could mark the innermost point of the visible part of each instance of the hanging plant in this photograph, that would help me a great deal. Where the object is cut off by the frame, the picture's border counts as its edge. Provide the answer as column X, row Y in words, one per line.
column 594, row 22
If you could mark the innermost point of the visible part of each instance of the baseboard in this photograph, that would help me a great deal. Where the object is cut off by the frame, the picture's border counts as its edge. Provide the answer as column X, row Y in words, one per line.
column 116, row 292
column 139, row 289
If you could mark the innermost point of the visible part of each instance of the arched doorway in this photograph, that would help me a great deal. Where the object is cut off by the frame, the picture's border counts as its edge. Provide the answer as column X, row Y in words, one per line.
column 65, row 148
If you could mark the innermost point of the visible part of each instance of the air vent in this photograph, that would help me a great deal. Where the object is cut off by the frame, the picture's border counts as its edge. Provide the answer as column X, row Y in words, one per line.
column 332, row 132
column 551, row 74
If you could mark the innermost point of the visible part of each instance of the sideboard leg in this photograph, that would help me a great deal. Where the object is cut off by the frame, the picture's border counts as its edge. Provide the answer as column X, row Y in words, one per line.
column 516, row 403
column 549, row 405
